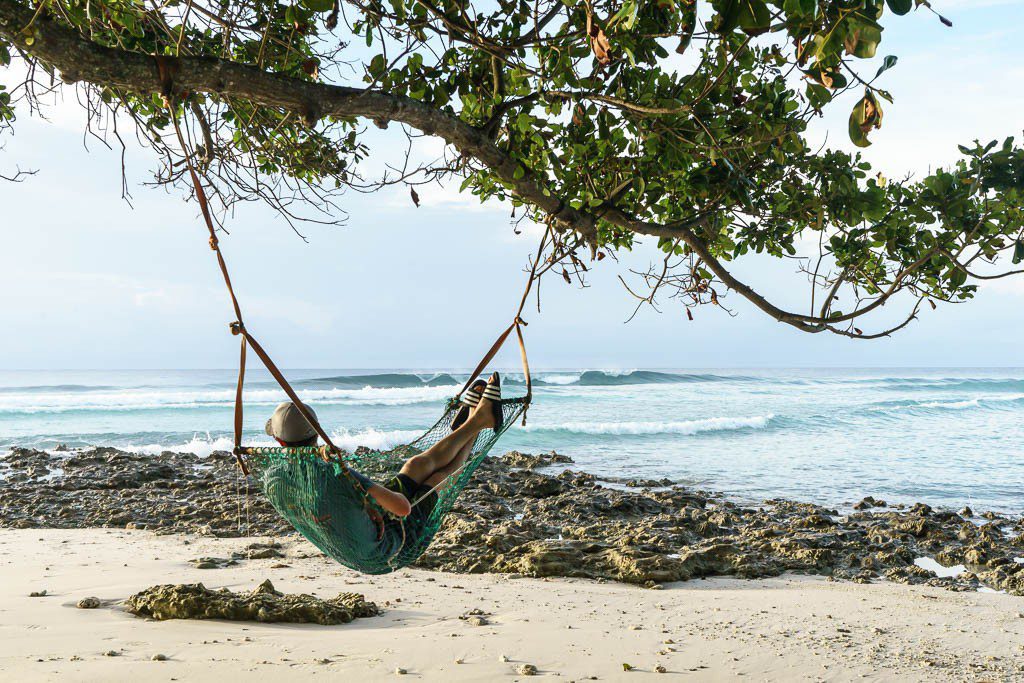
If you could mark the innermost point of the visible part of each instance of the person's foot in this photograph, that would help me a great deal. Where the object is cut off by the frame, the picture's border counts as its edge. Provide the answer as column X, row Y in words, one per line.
column 487, row 414
column 468, row 401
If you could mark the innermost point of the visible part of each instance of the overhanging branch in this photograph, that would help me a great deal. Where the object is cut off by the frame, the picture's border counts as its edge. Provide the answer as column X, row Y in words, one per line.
column 79, row 59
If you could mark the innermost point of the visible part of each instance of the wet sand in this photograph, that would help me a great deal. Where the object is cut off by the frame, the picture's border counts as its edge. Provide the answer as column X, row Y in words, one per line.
column 790, row 627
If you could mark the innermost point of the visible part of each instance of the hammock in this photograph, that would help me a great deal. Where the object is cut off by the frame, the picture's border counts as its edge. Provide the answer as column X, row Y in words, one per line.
column 314, row 490
column 312, row 487
column 328, row 508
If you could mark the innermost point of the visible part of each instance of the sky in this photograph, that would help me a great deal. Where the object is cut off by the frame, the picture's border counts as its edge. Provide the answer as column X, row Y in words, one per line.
column 90, row 281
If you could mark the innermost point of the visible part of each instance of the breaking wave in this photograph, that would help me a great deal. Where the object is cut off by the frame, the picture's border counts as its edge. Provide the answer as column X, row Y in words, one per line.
column 683, row 428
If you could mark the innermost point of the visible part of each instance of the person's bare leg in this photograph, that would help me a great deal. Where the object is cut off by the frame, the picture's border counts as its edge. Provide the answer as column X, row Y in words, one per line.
column 457, row 462
column 420, row 467
column 442, row 475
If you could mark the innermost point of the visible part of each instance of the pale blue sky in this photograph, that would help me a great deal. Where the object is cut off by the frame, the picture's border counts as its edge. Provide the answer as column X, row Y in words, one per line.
column 90, row 282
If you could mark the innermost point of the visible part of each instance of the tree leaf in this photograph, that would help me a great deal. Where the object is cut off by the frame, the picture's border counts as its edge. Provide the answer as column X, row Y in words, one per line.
column 319, row 5
column 728, row 16
column 900, row 7
column 865, row 117
column 599, row 43
column 686, row 33
column 1018, row 251
column 888, row 63
column 797, row 9
column 754, row 17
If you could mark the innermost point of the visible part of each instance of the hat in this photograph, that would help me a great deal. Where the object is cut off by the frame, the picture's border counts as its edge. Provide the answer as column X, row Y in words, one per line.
column 288, row 424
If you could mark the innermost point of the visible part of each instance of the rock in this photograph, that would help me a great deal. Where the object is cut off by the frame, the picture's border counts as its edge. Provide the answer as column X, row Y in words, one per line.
column 527, row 670
column 660, row 669
column 966, row 512
column 264, row 604
column 648, row 483
column 111, row 653
column 212, row 562
column 159, row 658
column 477, row 621
column 627, row 667
column 527, row 461
column 37, row 594
column 870, row 502
column 400, row 671
column 89, row 603
column 260, row 551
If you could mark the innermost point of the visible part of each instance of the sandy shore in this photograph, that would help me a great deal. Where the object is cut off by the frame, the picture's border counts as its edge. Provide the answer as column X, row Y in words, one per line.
column 787, row 628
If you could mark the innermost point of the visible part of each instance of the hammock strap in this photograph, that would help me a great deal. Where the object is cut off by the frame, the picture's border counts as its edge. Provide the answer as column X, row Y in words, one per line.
column 237, row 327
column 277, row 375
column 491, row 352
column 238, row 407
column 517, row 324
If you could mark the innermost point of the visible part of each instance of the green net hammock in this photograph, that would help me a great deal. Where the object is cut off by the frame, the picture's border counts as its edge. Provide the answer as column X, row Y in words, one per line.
column 328, row 506
column 312, row 488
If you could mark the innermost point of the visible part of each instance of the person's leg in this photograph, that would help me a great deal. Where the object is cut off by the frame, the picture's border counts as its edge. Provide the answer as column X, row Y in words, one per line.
column 451, row 468
column 420, row 467
column 457, row 462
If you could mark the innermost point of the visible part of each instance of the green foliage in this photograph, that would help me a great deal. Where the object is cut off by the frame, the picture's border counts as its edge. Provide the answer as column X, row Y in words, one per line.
column 591, row 103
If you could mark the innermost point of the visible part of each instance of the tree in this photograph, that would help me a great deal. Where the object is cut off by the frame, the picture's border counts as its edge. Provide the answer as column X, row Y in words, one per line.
column 609, row 120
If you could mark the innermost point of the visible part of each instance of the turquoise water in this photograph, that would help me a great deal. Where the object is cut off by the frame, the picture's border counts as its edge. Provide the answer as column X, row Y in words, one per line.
column 945, row 437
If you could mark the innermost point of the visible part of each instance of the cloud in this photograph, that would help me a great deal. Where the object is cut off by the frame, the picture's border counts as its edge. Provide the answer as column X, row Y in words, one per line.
column 165, row 298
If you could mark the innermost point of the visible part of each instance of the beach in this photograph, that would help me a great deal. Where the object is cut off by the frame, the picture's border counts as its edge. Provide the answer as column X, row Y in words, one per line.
column 541, row 569
column 785, row 628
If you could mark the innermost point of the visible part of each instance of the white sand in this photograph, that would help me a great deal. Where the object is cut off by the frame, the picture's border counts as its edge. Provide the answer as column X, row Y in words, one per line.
column 790, row 628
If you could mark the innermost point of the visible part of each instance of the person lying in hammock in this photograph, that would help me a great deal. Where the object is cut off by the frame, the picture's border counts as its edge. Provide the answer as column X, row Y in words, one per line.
column 413, row 491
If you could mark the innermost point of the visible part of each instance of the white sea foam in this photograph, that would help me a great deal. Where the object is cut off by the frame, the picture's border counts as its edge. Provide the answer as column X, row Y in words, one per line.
column 619, row 372
column 949, row 405
column 198, row 444
column 939, row 570
column 560, row 379
column 146, row 399
column 349, row 440
column 963, row 404
column 373, row 438
column 685, row 427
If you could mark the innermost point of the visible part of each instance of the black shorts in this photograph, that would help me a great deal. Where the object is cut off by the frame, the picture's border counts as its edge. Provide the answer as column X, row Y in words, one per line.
column 407, row 486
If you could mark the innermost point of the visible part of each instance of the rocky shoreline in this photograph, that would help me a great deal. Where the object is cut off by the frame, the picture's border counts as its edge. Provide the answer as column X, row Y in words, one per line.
column 531, row 515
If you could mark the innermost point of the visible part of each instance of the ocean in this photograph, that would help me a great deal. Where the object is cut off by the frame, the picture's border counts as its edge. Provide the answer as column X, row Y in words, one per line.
column 946, row 437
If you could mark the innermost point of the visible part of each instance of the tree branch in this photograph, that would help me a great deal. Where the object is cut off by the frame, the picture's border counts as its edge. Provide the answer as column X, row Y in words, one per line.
column 79, row 59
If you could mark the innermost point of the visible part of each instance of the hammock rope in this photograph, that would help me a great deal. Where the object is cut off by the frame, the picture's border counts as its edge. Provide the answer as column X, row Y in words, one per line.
column 313, row 487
